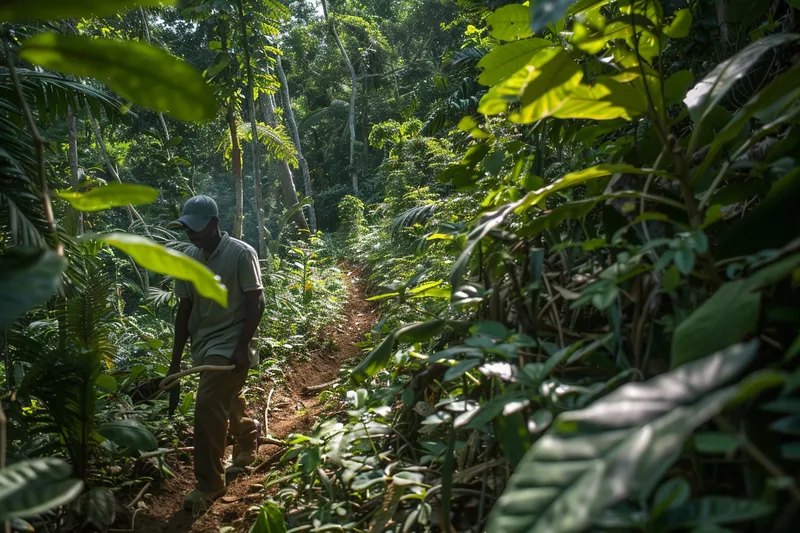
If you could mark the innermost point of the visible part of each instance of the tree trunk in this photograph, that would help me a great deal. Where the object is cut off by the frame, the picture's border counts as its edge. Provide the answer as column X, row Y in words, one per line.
column 255, row 143
column 236, row 164
column 284, row 172
column 289, row 113
column 76, row 216
column 354, row 81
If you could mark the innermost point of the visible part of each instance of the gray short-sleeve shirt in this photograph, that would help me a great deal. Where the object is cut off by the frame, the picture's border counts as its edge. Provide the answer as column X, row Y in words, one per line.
column 215, row 330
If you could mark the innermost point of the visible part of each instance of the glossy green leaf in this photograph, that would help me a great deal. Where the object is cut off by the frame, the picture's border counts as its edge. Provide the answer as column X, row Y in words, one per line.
column 270, row 520
column 23, row 10
column 99, row 507
column 616, row 448
column 506, row 59
column 669, row 494
column 112, row 195
column 509, row 23
column 143, row 74
column 712, row 89
column 162, row 260
column 713, row 510
column 460, row 368
column 27, row 279
column 724, row 319
column 546, row 12
column 129, row 433
column 29, row 488
column 106, row 382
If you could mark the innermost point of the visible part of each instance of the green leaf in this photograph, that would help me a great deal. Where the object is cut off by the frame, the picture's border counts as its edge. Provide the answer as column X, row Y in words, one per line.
column 161, row 260
column 680, row 25
column 174, row 141
column 509, row 23
column 724, row 319
column 112, row 195
column 716, row 443
column 129, row 433
column 580, row 177
column 676, row 86
column 546, row 12
column 27, row 279
column 99, row 507
column 713, row 88
column 143, row 74
column 29, row 488
column 616, row 448
column 669, row 494
column 460, row 368
column 789, row 425
column 504, row 60
column 492, row 329
column 713, row 510
column 107, row 382
column 270, row 520
column 24, row 10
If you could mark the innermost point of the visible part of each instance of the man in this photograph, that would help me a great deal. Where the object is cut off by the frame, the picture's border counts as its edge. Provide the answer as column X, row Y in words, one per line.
column 219, row 336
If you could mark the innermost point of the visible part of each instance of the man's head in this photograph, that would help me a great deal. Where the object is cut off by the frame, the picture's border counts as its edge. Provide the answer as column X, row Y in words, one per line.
column 200, row 219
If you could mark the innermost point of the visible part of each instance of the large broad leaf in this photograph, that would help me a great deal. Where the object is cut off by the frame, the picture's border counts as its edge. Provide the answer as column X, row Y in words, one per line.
column 713, row 88
column 27, row 279
column 129, row 434
column 616, row 448
column 504, row 60
column 143, row 74
column 29, row 488
column 99, row 507
column 113, row 195
column 509, row 23
column 21, row 10
column 579, row 177
column 724, row 319
column 712, row 510
column 270, row 520
column 546, row 12
column 162, row 260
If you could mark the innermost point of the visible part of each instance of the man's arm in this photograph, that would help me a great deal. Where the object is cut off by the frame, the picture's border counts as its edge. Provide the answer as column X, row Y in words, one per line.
column 254, row 305
column 181, row 334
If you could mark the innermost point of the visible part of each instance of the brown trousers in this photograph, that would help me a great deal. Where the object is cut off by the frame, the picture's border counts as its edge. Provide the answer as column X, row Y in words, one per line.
column 218, row 402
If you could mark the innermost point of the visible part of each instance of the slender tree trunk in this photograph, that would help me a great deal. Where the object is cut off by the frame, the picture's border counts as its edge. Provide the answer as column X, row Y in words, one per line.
column 284, row 172
column 354, row 81
column 72, row 126
column 236, row 163
column 255, row 143
column 289, row 113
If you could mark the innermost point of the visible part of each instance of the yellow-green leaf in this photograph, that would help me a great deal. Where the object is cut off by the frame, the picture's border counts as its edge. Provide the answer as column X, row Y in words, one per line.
column 680, row 25
column 504, row 60
column 510, row 22
column 113, row 195
column 143, row 74
column 22, row 10
column 162, row 260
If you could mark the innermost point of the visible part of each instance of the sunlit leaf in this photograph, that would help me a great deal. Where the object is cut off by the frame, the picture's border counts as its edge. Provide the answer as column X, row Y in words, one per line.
column 162, row 260
column 680, row 25
column 143, row 74
column 22, row 10
column 504, row 60
column 713, row 88
column 29, row 488
column 617, row 448
column 270, row 520
column 112, row 195
column 27, row 279
column 509, row 22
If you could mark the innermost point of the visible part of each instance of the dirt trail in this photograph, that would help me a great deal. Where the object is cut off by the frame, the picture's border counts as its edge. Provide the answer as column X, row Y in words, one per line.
column 293, row 409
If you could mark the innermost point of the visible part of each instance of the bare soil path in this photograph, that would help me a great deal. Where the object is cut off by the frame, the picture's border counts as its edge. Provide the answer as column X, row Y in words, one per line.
column 294, row 409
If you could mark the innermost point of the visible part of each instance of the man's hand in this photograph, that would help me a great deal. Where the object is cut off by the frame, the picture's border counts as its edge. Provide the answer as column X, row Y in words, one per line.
column 241, row 359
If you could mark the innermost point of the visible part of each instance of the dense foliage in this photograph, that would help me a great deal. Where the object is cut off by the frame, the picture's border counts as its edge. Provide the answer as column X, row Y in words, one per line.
column 576, row 216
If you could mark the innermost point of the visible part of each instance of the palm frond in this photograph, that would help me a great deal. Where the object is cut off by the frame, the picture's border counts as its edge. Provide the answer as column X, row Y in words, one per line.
column 275, row 140
column 419, row 214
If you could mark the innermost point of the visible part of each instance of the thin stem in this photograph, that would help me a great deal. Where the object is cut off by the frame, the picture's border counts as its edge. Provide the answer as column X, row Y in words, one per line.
column 39, row 143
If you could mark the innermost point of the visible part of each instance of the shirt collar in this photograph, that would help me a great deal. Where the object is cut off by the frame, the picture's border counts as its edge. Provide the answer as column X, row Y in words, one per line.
column 222, row 243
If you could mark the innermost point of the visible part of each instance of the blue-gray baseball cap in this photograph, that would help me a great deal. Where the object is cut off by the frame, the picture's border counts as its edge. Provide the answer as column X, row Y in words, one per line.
column 197, row 213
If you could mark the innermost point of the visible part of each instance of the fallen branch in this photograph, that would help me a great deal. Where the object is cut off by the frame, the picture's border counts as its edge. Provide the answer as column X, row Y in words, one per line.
column 270, row 440
column 266, row 411
column 156, row 453
column 266, row 464
column 322, row 386
column 139, row 496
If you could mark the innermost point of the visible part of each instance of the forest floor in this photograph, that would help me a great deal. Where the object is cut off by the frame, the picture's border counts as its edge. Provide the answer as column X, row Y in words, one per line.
column 293, row 409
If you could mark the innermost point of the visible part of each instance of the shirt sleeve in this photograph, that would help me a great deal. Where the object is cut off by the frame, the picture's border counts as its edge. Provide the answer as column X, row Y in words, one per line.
column 249, row 272
column 182, row 289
